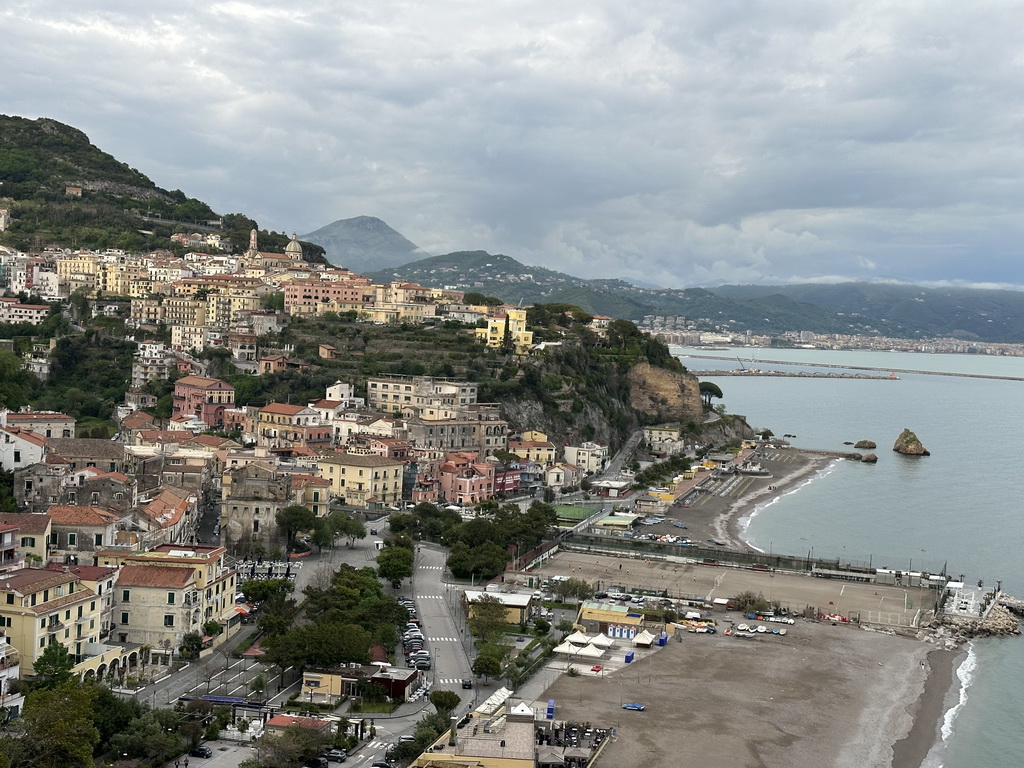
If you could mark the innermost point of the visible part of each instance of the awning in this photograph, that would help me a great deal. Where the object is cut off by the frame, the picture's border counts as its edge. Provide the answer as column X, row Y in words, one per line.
column 241, row 609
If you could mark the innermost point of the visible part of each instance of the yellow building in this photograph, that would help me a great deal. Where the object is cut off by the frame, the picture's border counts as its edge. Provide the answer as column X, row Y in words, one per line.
column 362, row 479
column 170, row 591
column 517, row 604
column 515, row 321
column 39, row 607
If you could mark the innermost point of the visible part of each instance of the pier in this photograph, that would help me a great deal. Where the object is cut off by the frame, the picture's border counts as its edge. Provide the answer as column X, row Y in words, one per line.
column 858, row 368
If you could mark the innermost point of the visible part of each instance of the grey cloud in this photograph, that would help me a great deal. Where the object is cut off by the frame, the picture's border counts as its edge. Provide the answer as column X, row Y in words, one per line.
column 676, row 142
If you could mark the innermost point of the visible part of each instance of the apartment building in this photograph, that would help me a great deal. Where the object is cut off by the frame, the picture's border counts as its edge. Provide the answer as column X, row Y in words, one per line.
column 511, row 322
column 203, row 397
column 279, row 425
column 45, row 423
column 396, row 394
column 361, row 480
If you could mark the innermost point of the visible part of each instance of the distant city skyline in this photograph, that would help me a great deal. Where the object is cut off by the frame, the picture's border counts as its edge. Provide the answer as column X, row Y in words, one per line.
column 672, row 144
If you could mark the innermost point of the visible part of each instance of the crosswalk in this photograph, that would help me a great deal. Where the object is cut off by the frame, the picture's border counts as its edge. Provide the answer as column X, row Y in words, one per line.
column 429, row 597
column 432, row 567
column 449, row 681
column 443, row 640
column 377, row 745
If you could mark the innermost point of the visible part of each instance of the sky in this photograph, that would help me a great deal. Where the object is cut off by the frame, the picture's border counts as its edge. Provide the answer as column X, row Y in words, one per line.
column 670, row 143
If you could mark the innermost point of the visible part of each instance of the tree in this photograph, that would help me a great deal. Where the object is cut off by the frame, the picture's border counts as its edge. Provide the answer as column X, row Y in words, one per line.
column 573, row 588
column 487, row 617
column 256, row 591
column 295, row 518
column 191, row 645
column 58, row 727
column 444, row 701
column 323, row 534
column 146, row 736
column 709, row 390
column 486, row 665
column 344, row 525
column 258, row 685
column 395, row 563
column 53, row 667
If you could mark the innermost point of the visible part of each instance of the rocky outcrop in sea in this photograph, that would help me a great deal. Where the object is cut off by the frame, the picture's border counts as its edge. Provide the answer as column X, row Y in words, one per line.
column 908, row 444
column 952, row 631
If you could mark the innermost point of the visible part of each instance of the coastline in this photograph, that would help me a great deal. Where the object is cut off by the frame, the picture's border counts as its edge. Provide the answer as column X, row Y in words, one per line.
column 923, row 701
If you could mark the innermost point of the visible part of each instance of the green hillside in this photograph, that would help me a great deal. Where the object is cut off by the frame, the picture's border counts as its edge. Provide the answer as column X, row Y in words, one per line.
column 119, row 207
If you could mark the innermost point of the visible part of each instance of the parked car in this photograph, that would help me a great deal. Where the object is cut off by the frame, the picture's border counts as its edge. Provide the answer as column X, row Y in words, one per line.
column 406, row 739
column 317, row 762
column 201, row 752
column 635, row 707
column 337, row 756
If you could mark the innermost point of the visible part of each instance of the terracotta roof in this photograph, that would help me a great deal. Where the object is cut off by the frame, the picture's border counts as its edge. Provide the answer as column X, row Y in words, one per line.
column 201, row 381
column 325, row 404
column 62, row 515
column 26, row 435
column 213, row 441
column 14, row 418
column 136, row 420
column 286, row 721
column 27, row 523
column 282, row 408
column 303, row 481
column 33, row 580
column 84, row 572
column 162, row 576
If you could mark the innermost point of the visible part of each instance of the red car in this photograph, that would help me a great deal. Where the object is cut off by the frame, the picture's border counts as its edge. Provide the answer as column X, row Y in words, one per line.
column 596, row 668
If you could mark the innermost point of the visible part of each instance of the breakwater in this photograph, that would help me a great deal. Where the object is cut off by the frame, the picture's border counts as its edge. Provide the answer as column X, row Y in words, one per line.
column 792, row 374
column 859, row 367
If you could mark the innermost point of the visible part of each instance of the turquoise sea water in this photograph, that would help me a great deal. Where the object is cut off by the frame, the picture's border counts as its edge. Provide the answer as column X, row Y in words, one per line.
column 959, row 508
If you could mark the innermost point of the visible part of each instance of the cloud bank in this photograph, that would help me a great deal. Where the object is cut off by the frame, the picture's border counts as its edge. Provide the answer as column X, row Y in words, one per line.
column 677, row 143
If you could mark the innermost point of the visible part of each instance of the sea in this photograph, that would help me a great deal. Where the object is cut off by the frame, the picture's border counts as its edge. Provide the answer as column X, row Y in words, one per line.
column 958, row 510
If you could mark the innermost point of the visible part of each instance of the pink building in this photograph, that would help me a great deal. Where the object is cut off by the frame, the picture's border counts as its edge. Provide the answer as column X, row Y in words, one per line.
column 204, row 398
column 464, row 480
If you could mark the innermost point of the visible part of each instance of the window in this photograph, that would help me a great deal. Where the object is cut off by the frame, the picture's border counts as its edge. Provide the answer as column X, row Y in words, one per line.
column 169, row 620
column 72, row 498
column 28, row 541
column 10, row 598
column 255, row 526
column 17, row 457
column 124, row 617
column 170, row 598
column 126, row 595
column 99, row 539
column 28, row 486
column 72, row 539
column 94, row 497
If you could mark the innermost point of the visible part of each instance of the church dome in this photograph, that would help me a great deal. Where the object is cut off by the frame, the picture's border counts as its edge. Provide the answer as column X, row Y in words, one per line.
column 293, row 246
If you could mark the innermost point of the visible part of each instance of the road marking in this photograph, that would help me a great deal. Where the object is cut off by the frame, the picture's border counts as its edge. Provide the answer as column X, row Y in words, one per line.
column 430, row 597
column 449, row 680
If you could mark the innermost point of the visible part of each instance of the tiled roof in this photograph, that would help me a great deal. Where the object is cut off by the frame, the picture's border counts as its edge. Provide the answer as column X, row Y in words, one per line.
column 91, row 447
column 27, row 523
column 14, row 418
column 162, row 576
column 62, row 515
column 203, row 382
column 24, row 434
column 84, row 572
column 33, row 580
column 282, row 408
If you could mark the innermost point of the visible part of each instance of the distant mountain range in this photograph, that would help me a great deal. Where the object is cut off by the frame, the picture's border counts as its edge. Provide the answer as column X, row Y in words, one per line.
column 902, row 311
column 61, row 189
column 363, row 243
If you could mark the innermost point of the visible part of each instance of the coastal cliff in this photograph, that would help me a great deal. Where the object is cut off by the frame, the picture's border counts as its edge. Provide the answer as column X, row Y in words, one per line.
column 661, row 395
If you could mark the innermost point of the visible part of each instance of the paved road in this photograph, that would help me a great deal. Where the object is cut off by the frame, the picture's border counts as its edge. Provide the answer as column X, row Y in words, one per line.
column 443, row 625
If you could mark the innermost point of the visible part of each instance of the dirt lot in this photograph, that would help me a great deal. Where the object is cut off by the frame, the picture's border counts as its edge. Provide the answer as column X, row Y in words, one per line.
column 873, row 603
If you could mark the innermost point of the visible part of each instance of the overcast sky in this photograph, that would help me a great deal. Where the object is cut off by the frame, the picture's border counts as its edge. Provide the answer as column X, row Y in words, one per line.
column 676, row 143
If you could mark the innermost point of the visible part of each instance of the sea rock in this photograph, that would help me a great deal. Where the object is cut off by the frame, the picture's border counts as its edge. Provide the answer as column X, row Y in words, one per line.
column 869, row 458
column 865, row 445
column 908, row 444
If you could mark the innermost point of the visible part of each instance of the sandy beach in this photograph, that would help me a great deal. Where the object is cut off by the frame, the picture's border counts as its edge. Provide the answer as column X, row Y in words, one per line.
column 823, row 695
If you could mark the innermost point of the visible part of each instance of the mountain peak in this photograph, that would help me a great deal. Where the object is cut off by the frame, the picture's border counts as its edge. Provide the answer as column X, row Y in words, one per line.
column 364, row 243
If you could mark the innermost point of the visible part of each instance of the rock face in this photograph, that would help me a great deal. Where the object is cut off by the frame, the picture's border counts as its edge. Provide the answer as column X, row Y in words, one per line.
column 908, row 444
column 865, row 445
column 664, row 396
column 869, row 458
